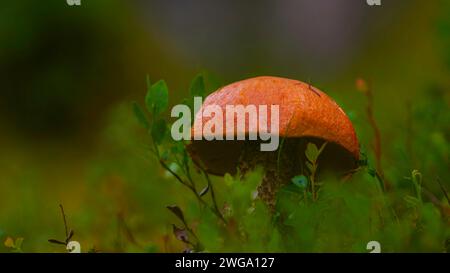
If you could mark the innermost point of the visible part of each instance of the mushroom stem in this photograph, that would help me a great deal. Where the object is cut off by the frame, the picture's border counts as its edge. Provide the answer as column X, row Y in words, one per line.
column 278, row 168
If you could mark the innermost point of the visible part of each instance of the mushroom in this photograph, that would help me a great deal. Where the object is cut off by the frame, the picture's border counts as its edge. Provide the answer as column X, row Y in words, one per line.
column 306, row 115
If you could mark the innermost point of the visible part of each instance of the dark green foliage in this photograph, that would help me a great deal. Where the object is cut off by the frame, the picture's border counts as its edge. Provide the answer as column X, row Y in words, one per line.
column 157, row 98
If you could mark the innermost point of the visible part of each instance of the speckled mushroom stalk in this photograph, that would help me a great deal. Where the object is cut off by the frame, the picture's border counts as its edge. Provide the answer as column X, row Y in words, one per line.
column 278, row 168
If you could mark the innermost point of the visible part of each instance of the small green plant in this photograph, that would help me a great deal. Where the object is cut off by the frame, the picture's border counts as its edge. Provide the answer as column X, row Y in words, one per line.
column 312, row 154
column 172, row 155
column 416, row 178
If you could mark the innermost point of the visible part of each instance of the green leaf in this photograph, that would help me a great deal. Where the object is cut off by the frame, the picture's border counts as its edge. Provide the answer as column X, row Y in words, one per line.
column 204, row 191
column 416, row 177
column 54, row 241
column 197, row 88
column 312, row 152
column 181, row 234
column 228, row 179
column 157, row 98
column 140, row 116
column 177, row 211
column 159, row 129
column 71, row 233
column 372, row 172
column 300, row 181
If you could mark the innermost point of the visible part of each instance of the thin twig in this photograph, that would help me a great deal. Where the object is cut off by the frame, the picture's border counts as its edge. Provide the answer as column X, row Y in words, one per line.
column 167, row 168
column 126, row 230
column 347, row 175
column 203, row 202
column 432, row 198
column 282, row 143
column 376, row 130
column 409, row 131
column 64, row 219
column 190, row 186
column 438, row 180
column 445, row 211
column 377, row 137
column 188, row 172
column 213, row 197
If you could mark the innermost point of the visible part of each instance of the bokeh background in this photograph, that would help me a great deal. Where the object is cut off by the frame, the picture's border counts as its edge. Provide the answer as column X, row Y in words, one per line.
column 69, row 74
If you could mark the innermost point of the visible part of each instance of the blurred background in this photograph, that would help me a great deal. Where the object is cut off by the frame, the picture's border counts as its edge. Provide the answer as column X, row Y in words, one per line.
column 69, row 74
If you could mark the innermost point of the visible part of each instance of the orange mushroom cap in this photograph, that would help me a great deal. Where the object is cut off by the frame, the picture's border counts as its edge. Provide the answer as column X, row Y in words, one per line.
column 304, row 112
